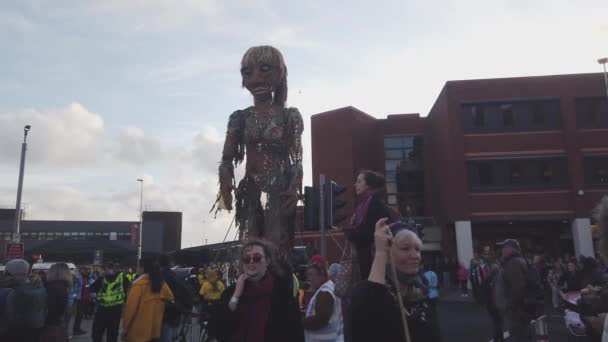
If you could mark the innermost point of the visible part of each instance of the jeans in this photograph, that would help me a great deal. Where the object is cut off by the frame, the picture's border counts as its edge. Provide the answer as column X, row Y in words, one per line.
column 446, row 280
column 168, row 333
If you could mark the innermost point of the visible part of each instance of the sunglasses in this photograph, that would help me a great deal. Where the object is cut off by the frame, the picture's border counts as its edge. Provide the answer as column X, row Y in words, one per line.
column 256, row 258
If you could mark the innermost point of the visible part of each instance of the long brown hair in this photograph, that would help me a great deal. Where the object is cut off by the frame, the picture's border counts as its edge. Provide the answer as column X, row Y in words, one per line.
column 270, row 253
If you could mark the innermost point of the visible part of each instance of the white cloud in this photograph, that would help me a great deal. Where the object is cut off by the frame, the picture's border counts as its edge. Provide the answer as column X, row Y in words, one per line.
column 136, row 147
column 69, row 136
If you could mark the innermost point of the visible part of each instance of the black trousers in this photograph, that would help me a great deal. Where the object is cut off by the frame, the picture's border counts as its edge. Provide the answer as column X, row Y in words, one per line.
column 497, row 323
column 80, row 307
column 364, row 256
column 107, row 319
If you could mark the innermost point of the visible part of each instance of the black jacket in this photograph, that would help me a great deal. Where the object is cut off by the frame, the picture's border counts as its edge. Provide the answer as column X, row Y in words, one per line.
column 376, row 316
column 284, row 323
column 363, row 234
column 183, row 297
column 57, row 301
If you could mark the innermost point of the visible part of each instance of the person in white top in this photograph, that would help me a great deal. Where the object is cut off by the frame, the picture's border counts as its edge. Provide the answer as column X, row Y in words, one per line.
column 323, row 321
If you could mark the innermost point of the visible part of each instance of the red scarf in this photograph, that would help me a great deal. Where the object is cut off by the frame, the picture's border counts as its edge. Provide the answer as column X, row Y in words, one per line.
column 254, row 310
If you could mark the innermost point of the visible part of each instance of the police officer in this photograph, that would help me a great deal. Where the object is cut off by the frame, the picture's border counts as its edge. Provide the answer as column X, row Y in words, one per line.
column 111, row 288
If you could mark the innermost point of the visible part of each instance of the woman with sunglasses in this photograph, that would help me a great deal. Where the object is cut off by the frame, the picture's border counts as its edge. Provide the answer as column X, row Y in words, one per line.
column 261, row 306
column 376, row 308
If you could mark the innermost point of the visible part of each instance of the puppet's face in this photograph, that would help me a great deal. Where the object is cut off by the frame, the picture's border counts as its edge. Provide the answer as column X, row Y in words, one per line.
column 261, row 79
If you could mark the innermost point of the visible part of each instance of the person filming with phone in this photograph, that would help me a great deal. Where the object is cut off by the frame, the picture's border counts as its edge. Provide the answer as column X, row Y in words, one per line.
column 391, row 305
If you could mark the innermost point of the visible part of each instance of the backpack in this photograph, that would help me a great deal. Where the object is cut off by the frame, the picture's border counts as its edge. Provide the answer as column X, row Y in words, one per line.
column 29, row 306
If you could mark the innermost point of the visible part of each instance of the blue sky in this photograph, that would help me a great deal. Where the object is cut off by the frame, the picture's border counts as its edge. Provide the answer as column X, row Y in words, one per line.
column 117, row 89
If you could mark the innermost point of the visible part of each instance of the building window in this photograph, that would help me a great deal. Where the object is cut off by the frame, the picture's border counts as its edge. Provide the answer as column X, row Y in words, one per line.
column 515, row 174
column 592, row 112
column 514, row 115
column 538, row 116
column 596, row 170
column 479, row 119
column 546, row 172
column 508, row 118
column 403, row 161
column 520, row 173
column 486, row 176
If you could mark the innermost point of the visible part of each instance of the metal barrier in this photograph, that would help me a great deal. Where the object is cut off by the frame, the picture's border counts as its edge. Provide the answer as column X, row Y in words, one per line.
column 540, row 329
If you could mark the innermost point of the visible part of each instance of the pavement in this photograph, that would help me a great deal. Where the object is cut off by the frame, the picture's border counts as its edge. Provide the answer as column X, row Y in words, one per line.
column 462, row 319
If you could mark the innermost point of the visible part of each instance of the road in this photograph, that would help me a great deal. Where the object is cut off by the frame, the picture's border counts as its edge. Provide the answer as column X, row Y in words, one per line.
column 460, row 320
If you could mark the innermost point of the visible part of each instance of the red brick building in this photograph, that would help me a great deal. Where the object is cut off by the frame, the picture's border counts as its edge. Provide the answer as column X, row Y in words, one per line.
column 515, row 157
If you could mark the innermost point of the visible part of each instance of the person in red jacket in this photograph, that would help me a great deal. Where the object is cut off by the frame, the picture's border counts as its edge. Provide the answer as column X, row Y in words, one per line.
column 463, row 277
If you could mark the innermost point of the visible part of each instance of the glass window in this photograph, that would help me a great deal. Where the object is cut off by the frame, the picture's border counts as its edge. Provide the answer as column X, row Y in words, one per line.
column 486, row 175
column 392, row 199
column 592, row 112
column 508, row 118
column 391, row 188
column 596, row 170
column 538, row 115
column 515, row 173
column 479, row 119
column 393, row 142
column 392, row 164
column 393, row 154
column 546, row 172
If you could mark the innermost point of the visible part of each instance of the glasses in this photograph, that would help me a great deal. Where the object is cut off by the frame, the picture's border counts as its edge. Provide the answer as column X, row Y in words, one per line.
column 256, row 258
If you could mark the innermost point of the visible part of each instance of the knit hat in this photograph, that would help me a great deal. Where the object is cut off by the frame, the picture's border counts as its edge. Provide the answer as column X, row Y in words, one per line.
column 17, row 267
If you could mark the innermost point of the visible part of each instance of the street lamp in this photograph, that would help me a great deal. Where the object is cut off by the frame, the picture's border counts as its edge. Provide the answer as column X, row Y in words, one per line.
column 603, row 62
column 17, row 223
column 141, row 217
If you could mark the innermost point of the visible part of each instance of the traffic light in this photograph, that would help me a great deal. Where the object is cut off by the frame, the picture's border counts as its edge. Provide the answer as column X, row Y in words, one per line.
column 334, row 203
column 311, row 208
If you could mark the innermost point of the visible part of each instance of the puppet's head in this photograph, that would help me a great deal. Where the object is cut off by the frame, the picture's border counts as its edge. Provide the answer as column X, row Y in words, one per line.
column 265, row 74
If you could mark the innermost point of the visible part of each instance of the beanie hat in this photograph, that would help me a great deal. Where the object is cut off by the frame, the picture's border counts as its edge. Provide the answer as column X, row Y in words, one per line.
column 17, row 267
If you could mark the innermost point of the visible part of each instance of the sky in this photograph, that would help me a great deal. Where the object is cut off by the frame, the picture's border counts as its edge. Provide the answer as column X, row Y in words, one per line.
column 117, row 90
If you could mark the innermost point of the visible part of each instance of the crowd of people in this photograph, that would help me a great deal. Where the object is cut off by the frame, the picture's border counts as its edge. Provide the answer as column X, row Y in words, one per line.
column 382, row 293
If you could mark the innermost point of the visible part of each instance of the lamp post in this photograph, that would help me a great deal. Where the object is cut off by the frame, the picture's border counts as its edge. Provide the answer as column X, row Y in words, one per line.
column 17, row 223
column 603, row 62
column 141, row 217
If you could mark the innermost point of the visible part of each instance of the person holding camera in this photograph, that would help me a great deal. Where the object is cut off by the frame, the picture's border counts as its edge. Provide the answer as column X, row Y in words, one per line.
column 393, row 307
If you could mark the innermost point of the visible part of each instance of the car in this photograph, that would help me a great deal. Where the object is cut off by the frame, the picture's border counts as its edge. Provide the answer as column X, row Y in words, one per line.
column 2, row 269
column 45, row 266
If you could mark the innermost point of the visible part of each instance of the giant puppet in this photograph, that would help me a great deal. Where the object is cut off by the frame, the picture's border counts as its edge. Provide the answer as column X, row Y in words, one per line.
column 269, row 136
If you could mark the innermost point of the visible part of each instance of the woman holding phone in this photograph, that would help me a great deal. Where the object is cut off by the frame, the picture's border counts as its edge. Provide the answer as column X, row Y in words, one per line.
column 377, row 310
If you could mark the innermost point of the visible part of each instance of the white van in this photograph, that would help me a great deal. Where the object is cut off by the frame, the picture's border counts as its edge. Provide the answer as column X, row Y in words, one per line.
column 45, row 266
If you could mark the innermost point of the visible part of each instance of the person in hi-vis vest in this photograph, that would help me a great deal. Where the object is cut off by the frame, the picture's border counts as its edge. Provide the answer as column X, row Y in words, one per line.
column 111, row 288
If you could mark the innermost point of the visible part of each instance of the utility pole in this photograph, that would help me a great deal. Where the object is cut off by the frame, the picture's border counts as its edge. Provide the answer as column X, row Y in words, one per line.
column 141, row 217
column 322, row 216
column 17, row 223
column 603, row 62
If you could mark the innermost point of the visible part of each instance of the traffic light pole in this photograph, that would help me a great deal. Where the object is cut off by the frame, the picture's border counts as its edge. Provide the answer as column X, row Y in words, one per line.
column 322, row 216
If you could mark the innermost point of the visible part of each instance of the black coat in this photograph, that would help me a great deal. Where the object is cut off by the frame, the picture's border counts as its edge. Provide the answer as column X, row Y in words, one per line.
column 376, row 316
column 183, row 298
column 363, row 234
column 284, row 323
column 57, row 301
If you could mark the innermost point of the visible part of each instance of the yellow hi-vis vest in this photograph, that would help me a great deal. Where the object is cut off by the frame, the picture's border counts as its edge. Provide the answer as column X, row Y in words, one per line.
column 113, row 293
